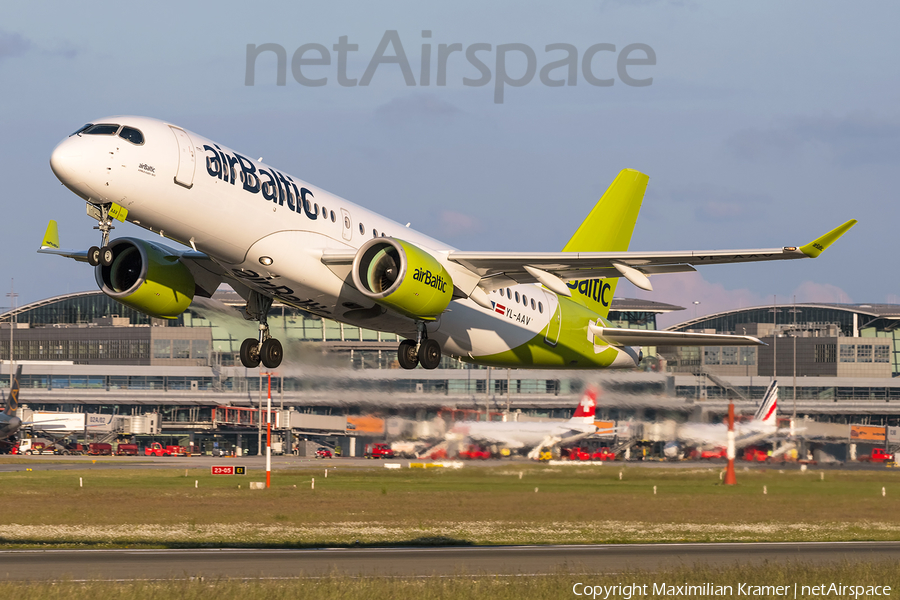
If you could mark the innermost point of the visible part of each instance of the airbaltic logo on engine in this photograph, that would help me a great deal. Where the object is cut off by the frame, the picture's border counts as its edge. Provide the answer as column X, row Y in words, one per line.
column 435, row 281
column 274, row 185
column 594, row 289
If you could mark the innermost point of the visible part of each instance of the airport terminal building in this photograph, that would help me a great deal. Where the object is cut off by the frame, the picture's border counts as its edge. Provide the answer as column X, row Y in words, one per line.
column 84, row 352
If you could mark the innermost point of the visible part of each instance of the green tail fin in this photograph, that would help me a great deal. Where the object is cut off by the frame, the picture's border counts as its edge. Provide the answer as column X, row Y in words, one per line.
column 607, row 228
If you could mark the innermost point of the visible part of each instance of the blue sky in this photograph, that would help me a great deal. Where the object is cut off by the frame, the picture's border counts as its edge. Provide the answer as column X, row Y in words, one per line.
column 766, row 124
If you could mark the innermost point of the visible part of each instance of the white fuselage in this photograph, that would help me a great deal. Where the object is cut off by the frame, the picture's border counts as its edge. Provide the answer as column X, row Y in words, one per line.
column 514, row 434
column 237, row 210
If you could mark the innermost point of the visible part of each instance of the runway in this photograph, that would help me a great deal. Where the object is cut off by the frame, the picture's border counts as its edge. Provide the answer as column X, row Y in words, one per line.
column 49, row 565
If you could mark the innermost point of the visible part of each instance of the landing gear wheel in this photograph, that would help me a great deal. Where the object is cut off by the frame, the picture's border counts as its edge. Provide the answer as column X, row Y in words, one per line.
column 106, row 256
column 429, row 354
column 406, row 354
column 271, row 353
column 93, row 256
column 250, row 353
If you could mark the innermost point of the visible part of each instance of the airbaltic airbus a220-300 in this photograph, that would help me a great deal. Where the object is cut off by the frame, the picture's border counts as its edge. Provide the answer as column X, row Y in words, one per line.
column 272, row 236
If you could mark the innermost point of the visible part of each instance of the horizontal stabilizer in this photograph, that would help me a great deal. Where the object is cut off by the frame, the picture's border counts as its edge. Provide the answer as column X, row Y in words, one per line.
column 645, row 337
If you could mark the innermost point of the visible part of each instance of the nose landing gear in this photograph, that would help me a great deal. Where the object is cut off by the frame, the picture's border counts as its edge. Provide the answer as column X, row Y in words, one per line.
column 266, row 350
column 424, row 351
column 102, row 213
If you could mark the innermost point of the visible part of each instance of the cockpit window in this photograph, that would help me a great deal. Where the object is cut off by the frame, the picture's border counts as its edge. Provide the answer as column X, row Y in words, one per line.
column 101, row 129
column 132, row 135
column 81, row 129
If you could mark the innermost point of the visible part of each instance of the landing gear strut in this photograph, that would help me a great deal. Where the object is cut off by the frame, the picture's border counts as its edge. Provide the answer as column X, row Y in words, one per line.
column 102, row 255
column 265, row 349
column 424, row 351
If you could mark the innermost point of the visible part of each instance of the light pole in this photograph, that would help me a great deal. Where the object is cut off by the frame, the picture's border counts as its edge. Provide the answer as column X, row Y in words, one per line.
column 12, row 295
column 696, row 303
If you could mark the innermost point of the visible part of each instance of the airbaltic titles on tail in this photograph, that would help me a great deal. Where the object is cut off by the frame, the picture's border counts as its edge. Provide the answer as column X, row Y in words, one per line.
column 272, row 236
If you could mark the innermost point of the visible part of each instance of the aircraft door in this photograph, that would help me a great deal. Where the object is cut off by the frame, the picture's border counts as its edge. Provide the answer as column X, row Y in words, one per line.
column 347, row 229
column 184, row 176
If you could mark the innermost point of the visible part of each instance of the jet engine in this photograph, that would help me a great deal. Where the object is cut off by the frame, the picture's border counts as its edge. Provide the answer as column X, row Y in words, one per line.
column 403, row 277
column 147, row 277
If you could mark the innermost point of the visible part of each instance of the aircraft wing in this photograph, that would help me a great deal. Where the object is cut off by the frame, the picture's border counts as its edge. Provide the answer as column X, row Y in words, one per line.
column 535, row 267
column 207, row 273
column 650, row 337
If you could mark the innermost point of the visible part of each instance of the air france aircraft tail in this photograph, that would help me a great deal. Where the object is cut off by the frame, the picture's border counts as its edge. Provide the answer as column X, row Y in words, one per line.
column 768, row 410
column 607, row 228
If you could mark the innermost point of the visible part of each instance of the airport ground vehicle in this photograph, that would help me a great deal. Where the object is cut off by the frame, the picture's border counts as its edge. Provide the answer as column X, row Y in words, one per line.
column 709, row 454
column 33, row 446
column 576, row 453
column 474, row 452
column 603, row 453
column 323, row 452
column 157, row 449
column 127, row 450
column 753, row 454
column 100, row 449
column 379, row 450
column 878, row 455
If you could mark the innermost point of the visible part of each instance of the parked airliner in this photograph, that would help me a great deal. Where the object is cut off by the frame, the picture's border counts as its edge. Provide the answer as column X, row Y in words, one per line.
column 271, row 236
column 535, row 435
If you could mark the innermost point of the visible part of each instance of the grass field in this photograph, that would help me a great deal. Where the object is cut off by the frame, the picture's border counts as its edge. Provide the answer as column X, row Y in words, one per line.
column 498, row 505
column 555, row 586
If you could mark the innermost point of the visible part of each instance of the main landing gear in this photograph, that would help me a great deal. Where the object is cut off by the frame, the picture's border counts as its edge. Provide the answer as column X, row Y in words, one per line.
column 266, row 349
column 102, row 255
column 423, row 351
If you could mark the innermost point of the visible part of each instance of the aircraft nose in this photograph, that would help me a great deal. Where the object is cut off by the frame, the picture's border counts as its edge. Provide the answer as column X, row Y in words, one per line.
column 14, row 423
column 63, row 160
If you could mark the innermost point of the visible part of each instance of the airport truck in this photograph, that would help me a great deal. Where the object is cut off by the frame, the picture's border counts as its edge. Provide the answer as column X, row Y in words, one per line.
column 127, row 450
column 157, row 449
column 379, row 450
column 879, row 455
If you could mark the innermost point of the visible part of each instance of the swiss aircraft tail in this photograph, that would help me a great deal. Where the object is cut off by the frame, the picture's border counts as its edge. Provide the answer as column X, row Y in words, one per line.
column 584, row 412
column 768, row 410
column 12, row 401
column 607, row 228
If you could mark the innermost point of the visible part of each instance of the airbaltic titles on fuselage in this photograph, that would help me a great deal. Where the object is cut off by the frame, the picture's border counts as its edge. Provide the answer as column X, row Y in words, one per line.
column 274, row 185
column 592, row 288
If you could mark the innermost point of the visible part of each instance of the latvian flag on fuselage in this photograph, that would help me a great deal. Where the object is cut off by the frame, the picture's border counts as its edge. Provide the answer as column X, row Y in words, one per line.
column 500, row 309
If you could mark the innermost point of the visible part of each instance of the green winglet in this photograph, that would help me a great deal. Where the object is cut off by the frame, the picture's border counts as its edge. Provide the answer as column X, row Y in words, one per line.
column 51, row 236
column 818, row 245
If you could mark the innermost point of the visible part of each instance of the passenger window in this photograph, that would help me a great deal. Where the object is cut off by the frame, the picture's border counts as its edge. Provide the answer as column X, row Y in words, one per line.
column 374, row 233
column 508, row 294
column 524, row 300
column 102, row 129
column 541, row 307
column 324, row 213
column 362, row 229
column 133, row 135
column 346, row 221
column 333, row 219
column 532, row 304
column 517, row 296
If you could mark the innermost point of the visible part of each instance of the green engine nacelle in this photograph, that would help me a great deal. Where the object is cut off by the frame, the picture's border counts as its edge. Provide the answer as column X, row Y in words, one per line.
column 147, row 277
column 403, row 277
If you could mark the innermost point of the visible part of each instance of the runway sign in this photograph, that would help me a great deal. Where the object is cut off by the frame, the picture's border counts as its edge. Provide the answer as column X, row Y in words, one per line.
column 228, row 470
